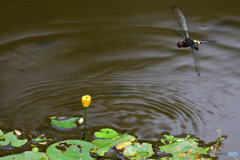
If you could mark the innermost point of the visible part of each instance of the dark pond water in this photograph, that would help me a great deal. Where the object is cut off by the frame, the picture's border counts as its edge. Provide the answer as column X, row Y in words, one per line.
column 123, row 54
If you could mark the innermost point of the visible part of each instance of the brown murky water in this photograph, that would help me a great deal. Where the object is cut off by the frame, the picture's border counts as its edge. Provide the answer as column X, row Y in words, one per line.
column 124, row 55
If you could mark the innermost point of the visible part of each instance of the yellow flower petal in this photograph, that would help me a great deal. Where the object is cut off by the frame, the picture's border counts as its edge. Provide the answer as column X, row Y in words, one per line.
column 86, row 100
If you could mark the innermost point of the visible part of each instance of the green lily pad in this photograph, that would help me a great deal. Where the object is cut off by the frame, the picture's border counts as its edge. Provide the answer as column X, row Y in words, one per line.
column 104, row 145
column 28, row 155
column 11, row 139
column 41, row 140
column 101, row 143
column 184, row 148
column 125, row 138
column 171, row 139
column 38, row 139
column 35, row 149
column 70, row 150
column 106, row 133
column 64, row 123
column 138, row 151
column 109, row 139
column 1, row 133
column 102, row 151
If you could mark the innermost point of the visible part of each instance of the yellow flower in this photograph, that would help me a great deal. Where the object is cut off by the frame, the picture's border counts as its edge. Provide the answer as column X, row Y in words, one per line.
column 86, row 100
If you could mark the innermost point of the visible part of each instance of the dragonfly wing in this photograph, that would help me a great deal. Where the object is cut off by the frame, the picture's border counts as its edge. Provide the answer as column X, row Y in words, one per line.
column 196, row 57
column 181, row 21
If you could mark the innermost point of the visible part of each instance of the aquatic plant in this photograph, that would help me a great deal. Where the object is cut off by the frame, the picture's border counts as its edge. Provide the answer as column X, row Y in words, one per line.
column 86, row 101
column 106, row 142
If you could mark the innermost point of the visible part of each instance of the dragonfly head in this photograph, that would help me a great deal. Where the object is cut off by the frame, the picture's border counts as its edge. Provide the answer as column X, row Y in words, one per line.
column 179, row 44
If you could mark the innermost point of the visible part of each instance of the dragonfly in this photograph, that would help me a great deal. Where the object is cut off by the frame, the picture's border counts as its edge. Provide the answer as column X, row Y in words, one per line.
column 187, row 41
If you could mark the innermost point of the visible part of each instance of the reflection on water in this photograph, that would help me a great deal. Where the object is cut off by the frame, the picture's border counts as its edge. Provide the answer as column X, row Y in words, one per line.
column 127, row 60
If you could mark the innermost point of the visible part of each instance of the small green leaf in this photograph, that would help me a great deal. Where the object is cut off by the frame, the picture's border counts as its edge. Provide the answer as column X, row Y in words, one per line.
column 104, row 145
column 138, row 151
column 35, row 149
column 203, row 150
column 1, row 133
column 40, row 139
column 126, row 137
column 184, row 149
column 64, row 122
column 106, row 133
column 28, row 155
column 162, row 140
column 101, row 151
column 101, row 143
column 11, row 139
column 8, row 138
column 18, row 142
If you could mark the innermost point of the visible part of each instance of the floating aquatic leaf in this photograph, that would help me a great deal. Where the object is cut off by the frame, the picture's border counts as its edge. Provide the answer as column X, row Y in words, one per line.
column 104, row 145
column 101, row 151
column 123, row 144
column 70, row 150
column 28, row 155
column 101, row 143
column 106, row 133
column 138, row 151
column 163, row 141
column 41, row 140
column 18, row 142
column 185, row 148
column 35, row 149
column 203, row 150
column 124, row 140
column 170, row 139
column 11, row 139
column 7, row 138
column 64, row 123
column 38, row 139
column 1, row 134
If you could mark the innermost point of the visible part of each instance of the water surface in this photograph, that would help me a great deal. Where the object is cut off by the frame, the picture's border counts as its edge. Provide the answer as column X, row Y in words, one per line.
column 124, row 55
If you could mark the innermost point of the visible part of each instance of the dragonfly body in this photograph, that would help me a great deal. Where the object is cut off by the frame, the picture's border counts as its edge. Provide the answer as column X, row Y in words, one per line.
column 192, row 43
column 187, row 41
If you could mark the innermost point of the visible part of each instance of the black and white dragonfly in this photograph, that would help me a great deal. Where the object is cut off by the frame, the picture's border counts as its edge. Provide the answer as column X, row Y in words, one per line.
column 187, row 41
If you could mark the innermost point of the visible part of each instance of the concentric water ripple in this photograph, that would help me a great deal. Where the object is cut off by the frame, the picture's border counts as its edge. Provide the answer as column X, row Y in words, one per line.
column 127, row 60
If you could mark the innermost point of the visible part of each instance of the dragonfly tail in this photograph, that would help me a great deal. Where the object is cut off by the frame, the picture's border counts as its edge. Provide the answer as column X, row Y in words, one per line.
column 204, row 42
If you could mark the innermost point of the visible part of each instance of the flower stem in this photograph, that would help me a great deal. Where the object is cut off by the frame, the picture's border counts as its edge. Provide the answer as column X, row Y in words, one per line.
column 85, row 117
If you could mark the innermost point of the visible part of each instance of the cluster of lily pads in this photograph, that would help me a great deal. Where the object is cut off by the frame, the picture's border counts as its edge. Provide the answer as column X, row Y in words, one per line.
column 106, row 143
